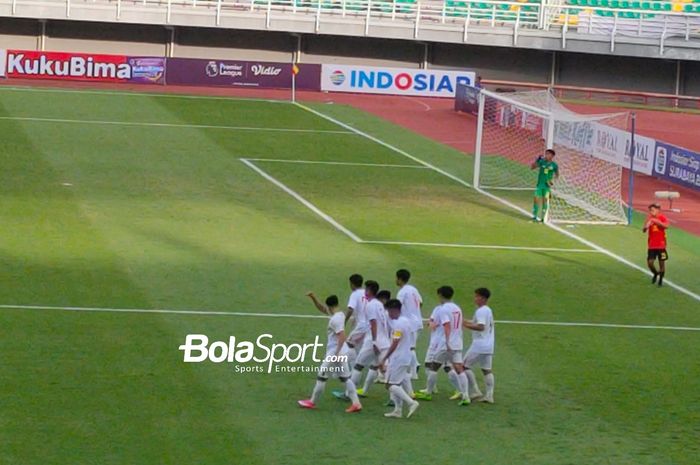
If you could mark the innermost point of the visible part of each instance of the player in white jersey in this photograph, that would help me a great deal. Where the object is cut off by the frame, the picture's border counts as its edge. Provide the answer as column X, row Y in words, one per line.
column 376, row 342
column 483, row 341
column 356, row 311
column 396, row 363
column 446, row 347
column 411, row 303
column 335, row 362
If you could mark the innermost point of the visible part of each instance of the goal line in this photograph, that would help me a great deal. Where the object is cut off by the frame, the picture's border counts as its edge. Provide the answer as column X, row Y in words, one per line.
column 250, row 162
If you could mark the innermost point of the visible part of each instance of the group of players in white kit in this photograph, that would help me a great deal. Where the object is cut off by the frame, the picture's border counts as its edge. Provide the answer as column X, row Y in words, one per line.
column 384, row 337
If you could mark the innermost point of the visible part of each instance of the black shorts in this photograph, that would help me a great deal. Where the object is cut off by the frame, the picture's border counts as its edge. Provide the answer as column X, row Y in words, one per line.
column 661, row 254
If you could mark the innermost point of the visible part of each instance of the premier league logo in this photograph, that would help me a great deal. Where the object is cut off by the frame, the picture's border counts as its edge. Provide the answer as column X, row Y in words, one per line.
column 212, row 69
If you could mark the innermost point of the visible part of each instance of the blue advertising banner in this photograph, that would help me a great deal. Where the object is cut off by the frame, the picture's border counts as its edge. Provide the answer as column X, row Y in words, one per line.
column 678, row 165
column 393, row 81
column 467, row 99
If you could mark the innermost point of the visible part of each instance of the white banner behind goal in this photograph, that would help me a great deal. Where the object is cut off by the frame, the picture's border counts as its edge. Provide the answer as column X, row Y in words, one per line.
column 515, row 128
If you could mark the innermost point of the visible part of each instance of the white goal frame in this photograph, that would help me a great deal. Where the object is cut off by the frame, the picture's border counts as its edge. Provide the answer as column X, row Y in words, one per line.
column 549, row 120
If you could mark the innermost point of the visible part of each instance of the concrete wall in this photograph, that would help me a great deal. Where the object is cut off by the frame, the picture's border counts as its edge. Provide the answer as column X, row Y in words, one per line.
column 19, row 33
column 356, row 50
column 690, row 82
column 505, row 64
column 230, row 44
column 650, row 75
column 128, row 39
column 499, row 63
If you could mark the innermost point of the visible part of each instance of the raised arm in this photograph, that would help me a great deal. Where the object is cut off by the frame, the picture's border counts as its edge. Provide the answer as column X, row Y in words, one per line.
column 535, row 164
column 319, row 305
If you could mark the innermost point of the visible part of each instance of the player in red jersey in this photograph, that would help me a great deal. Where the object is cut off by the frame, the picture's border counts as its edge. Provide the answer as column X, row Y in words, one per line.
column 656, row 225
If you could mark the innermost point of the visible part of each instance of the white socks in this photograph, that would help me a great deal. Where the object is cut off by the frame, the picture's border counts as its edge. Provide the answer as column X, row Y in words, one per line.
column 408, row 386
column 400, row 394
column 318, row 390
column 473, row 387
column 396, row 400
column 351, row 391
column 454, row 379
column 414, row 365
column 463, row 385
column 356, row 376
column 432, row 381
column 488, row 379
column 369, row 380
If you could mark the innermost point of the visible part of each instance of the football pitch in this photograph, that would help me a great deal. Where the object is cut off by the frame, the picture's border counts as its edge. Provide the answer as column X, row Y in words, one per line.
column 130, row 221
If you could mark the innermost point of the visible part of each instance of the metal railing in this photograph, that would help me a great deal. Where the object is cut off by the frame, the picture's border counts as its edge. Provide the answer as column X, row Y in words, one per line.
column 569, row 92
column 657, row 24
column 546, row 15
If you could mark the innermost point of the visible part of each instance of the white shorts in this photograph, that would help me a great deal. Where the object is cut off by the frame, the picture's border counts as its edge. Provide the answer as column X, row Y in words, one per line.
column 444, row 357
column 357, row 337
column 367, row 357
column 396, row 373
column 483, row 361
column 334, row 370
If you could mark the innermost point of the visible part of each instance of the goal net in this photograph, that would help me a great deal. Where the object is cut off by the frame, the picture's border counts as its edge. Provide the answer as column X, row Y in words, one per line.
column 515, row 128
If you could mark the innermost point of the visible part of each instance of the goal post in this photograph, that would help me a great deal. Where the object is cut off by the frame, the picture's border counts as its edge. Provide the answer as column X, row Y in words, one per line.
column 514, row 128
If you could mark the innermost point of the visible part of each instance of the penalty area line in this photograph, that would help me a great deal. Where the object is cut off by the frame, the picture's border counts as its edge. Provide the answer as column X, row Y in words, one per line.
column 302, row 200
column 339, row 163
column 503, row 201
column 303, row 316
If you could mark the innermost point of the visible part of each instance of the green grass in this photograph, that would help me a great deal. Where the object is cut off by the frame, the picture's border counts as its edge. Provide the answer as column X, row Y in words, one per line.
column 171, row 218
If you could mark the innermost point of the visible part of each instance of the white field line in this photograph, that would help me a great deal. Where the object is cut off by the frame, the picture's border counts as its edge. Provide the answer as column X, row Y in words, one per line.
column 425, row 106
column 569, row 234
column 312, row 316
column 507, row 188
column 340, row 163
column 304, row 202
column 593, row 245
column 170, row 125
column 356, row 238
column 384, row 144
column 135, row 94
column 481, row 246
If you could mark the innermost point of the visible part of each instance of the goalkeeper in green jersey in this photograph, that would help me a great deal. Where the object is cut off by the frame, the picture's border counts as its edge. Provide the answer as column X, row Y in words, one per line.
column 548, row 170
